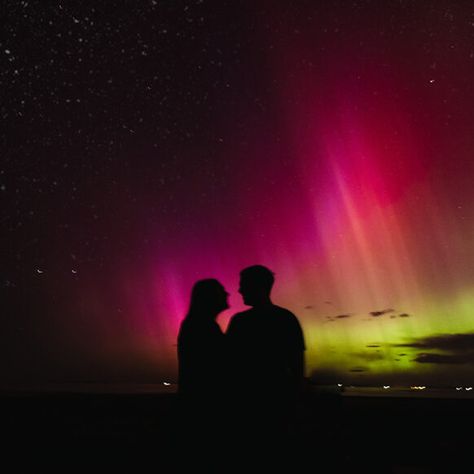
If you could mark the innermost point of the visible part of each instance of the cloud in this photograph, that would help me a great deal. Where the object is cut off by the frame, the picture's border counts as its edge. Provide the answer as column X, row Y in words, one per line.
column 339, row 316
column 447, row 342
column 359, row 369
column 427, row 358
column 381, row 312
column 450, row 349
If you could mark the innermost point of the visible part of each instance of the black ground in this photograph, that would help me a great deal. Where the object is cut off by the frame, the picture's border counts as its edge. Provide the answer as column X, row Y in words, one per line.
column 334, row 433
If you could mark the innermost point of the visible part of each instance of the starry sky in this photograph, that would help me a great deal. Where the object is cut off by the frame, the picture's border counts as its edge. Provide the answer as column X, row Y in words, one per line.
column 149, row 144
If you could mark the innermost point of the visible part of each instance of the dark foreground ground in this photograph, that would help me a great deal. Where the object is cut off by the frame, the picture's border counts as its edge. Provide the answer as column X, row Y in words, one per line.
column 334, row 433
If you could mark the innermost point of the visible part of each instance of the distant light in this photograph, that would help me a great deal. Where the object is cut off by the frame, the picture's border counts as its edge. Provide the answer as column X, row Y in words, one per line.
column 166, row 383
column 458, row 388
column 39, row 271
column 339, row 384
column 468, row 388
column 386, row 387
column 432, row 81
column 74, row 271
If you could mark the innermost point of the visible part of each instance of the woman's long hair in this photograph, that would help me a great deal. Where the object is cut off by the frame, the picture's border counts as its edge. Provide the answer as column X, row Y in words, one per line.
column 208, row 297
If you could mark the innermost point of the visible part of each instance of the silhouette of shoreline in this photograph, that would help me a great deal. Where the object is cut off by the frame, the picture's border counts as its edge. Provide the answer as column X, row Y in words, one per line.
column 94, row 388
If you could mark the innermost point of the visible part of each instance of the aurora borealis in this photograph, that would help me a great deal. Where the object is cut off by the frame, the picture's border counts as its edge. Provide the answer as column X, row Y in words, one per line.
column 146, row 146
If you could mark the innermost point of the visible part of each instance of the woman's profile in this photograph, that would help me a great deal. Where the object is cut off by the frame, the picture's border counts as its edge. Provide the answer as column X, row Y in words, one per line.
column 201, row 342
column 201, row 372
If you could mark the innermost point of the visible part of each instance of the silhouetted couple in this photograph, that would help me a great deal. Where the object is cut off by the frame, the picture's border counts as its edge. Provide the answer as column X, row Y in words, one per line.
column 239, row 389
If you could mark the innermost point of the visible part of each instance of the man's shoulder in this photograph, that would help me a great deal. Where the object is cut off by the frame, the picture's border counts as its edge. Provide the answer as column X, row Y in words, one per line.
column 291, row 326
column 273, row 309
column 284, row 312
column 287, row 317
column 281, row 309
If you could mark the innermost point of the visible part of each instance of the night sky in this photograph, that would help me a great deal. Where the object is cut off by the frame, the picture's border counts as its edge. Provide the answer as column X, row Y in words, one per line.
column 148, row 144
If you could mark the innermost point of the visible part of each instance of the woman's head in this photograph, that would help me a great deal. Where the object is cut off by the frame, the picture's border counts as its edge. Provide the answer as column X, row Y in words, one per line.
column 208, row 298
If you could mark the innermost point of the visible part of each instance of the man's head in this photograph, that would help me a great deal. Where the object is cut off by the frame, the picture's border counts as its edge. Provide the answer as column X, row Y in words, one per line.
column 256, row 283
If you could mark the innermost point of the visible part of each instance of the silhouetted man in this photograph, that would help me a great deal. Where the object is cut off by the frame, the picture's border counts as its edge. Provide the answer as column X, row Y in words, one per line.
column 266, row 347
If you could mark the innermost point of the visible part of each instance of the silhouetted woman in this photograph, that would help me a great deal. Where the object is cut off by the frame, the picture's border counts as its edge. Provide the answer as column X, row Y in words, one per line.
column 202, row 365
column 201, row 341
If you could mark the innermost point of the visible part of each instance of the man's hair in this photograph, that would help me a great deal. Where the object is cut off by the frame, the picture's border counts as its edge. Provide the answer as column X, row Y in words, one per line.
column 259, row 276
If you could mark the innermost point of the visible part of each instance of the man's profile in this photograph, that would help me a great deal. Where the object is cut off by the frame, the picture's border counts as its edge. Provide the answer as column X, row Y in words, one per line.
column 266, row 346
